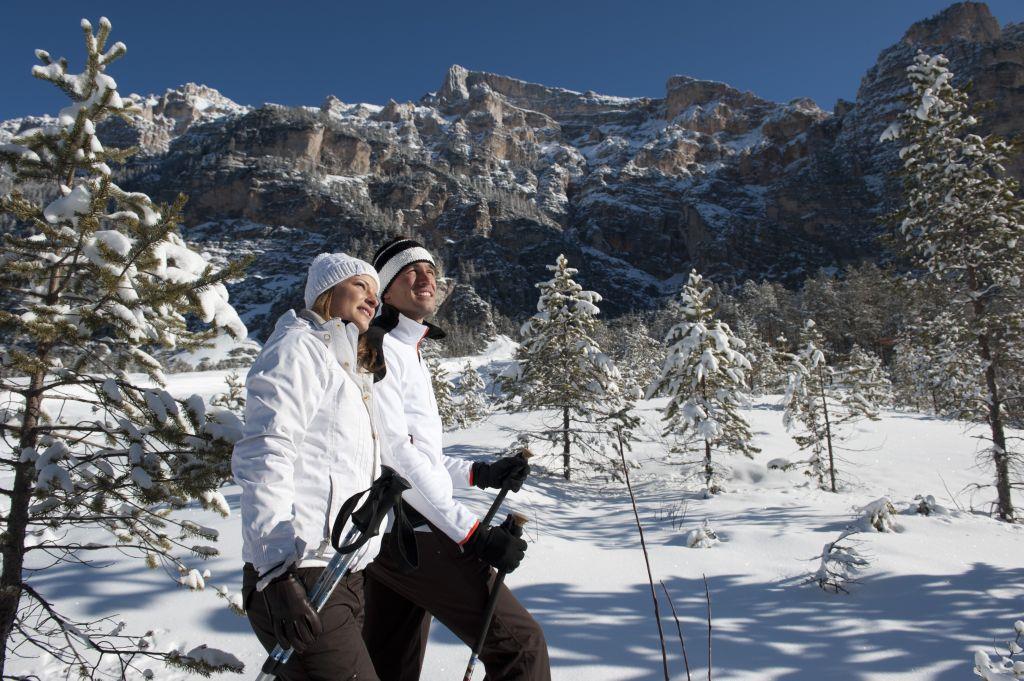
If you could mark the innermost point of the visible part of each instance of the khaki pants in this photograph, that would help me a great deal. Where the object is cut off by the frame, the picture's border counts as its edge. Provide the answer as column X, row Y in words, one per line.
column 339, row 653
column 453, row 587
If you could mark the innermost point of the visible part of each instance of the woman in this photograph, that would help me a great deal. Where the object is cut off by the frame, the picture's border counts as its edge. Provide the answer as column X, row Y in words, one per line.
column 307, row 446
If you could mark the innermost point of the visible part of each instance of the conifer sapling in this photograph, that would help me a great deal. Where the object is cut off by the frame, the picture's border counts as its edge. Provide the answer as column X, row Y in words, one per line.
column 94, row 280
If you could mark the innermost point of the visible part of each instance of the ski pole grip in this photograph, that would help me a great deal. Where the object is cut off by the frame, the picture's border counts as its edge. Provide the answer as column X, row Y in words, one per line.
column 514, row 524
column 384, row 494
column 389, row 487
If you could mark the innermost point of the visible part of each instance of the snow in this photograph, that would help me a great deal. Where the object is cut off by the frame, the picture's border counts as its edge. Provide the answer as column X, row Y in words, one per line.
column 214, row 657
column 219, row 349
column 928, row 599
column 22, row 152
column 69, row 206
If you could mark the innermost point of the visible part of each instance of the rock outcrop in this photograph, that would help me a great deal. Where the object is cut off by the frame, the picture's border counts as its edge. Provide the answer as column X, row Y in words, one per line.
column 499, row 176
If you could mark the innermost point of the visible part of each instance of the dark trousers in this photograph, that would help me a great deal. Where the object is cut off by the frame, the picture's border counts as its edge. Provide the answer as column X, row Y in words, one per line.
column 453, row 587
column 339, row 653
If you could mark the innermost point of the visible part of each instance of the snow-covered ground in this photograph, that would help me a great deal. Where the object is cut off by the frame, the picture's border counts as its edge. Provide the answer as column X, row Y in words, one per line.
column 932, row 594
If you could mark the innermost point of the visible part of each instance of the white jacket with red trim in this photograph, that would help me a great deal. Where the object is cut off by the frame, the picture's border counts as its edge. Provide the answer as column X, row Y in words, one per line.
column 411, row 427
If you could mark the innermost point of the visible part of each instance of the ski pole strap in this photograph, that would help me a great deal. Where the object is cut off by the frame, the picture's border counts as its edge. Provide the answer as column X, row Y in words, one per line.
column 383, row 496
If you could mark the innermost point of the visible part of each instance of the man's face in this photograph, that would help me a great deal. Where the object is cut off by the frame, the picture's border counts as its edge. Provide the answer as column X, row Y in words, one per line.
column 413, row 292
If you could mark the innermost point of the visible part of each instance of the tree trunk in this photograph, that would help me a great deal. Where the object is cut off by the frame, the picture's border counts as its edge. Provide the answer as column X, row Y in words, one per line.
column 565, row 442
column 708, row 471
column 1000, row 456
column 13, row 542
column 828, row 433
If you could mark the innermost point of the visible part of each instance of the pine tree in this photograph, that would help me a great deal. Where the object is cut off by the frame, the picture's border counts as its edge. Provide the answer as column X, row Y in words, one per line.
column 472, row 404
column 864, row 384
column 451, row 416
column 822, row 301
column 806, row 404
column 642, row 357
column 769, row 306
column 765, row 374
column 637, row 353
column 703, row 376
column 910, row 373
column 94, row 281
column 560, row 366
column 821, row 399
column 962, row 226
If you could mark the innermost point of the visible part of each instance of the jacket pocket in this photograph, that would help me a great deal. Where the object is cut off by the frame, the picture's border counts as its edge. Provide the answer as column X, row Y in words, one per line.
column 334, row 505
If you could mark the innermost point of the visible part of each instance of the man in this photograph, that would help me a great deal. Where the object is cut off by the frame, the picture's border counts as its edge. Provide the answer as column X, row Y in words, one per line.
column 456, row 553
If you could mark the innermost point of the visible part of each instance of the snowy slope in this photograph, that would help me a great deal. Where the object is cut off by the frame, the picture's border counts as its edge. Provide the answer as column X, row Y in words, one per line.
column 932, row 594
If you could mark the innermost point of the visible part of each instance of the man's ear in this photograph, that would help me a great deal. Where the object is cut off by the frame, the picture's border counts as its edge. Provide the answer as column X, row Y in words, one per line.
column 385, row 297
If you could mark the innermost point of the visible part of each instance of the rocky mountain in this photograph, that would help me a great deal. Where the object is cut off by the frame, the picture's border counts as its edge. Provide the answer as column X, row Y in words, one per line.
column 500, row 175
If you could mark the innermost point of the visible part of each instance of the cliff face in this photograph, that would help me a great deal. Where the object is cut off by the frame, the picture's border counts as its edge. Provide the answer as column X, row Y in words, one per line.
column 499, row 175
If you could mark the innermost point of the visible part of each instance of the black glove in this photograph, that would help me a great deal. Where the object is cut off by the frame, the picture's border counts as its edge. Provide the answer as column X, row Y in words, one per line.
column 497, row 547
column 510, row 472
column 296, row 624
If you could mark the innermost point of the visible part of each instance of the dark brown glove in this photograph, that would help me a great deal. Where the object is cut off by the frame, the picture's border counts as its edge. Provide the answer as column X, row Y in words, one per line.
column 296, row 624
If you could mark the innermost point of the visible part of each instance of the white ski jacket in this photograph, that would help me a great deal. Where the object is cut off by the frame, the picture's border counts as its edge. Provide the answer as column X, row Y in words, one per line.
column 411, row 426
column 308, row 444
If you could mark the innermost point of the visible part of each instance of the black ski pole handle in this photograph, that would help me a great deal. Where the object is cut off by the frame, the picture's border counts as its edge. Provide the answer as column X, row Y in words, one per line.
column 384, row 494
column 525, row 455
column 514, row 524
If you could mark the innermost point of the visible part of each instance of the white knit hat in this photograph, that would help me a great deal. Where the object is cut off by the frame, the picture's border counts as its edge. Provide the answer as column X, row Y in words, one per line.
column 328, row 269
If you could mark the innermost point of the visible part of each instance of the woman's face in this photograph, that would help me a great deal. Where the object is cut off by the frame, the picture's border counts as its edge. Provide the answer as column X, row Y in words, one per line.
column 355, row 300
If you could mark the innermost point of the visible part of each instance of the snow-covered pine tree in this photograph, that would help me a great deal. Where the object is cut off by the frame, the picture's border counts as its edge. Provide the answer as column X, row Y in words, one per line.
column 472, row 404
column 822, row 301
column 863, row 383
column 703, row 377
column 962, row 226
column 910, row 373
column 92, row 281
column 821, row 399
column 560, row 366
column 769, row 306
column 876, row 303
column 806, row 404
column 451, row 415
column 234, row 398
column 637, row 353
column 644, row 356
column 765, row 374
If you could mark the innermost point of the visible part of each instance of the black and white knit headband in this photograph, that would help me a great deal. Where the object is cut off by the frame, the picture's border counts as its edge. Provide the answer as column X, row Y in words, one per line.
column 390, row 261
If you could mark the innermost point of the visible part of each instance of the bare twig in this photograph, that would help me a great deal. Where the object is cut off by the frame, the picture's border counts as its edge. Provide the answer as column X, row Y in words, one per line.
column 679, row 628
column 952, row 497
column 707, row 595
column 643, row 545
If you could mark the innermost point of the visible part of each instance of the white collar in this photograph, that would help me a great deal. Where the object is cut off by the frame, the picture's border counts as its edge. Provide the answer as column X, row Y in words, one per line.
column 409, row 331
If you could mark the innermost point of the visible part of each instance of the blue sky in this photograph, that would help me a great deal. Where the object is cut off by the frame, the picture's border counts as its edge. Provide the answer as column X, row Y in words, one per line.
column 299, row 52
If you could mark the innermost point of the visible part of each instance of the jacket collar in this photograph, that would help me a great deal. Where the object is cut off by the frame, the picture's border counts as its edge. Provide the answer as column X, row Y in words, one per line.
column 340, row 336
column 404, row 329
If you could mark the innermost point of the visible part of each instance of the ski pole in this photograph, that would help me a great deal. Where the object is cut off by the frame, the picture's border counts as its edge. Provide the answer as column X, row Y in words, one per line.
column 525, row 455
column 514, row 524
column 384, row 494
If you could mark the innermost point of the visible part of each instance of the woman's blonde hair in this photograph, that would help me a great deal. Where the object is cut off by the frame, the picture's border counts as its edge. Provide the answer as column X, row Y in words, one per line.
column 366, row 355
column 322, row 304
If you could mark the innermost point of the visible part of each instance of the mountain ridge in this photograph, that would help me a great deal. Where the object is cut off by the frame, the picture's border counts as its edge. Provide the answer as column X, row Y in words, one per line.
column 499, row 175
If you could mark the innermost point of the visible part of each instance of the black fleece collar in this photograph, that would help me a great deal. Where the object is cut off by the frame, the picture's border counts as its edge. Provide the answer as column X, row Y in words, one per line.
column 390, row 316
column 384, row 323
